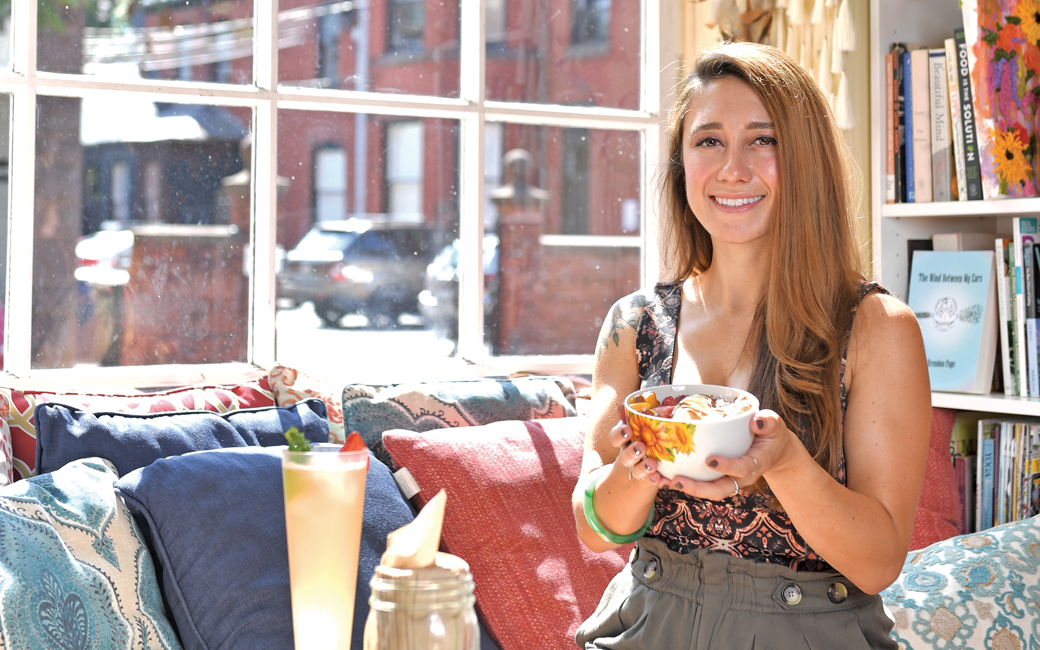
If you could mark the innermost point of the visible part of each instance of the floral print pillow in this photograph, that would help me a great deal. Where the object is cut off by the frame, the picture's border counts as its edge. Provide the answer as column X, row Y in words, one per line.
column 972, row 591
column 74, row 571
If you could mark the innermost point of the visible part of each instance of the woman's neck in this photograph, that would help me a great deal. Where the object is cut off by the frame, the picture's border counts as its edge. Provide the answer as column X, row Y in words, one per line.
column 734, row 283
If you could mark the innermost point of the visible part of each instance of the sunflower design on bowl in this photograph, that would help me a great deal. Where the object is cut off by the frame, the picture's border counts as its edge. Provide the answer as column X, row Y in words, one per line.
column 682, row 425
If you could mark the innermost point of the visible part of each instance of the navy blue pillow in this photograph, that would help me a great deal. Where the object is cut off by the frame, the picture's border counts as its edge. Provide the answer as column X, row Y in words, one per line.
column 215, row 523
column 133, row 440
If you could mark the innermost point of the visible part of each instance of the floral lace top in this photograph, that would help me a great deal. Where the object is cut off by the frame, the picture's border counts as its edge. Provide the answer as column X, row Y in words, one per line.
column 742, row 525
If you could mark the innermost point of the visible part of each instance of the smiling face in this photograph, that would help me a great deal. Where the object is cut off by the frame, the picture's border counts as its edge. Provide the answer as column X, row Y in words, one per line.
column 731, row 162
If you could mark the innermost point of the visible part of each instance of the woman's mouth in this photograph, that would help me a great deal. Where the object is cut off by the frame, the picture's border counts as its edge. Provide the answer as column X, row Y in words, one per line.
column 736, row 203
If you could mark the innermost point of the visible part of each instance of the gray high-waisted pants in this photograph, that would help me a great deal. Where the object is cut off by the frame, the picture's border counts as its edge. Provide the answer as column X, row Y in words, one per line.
column 666, row 601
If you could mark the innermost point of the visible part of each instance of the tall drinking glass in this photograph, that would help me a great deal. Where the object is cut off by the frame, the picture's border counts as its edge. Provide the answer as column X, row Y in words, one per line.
column 324, row 498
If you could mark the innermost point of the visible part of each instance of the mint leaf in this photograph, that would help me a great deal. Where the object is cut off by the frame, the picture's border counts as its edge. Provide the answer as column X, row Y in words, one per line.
column 297, row 441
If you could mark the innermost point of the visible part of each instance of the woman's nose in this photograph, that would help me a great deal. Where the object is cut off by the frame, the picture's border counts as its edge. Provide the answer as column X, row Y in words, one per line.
column 736, row 165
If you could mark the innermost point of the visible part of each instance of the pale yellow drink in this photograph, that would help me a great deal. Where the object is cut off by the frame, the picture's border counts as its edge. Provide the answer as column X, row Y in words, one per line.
column 324, row 498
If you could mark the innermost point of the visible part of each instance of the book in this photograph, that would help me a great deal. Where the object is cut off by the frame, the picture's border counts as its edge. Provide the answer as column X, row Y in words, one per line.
column 953, row 295
column 911, row 246
column 962, row 241
column 890, row 133
column 922, row 133
column 1031, row 475
column 1007, row 353
column 964, row 471
column 1029, row 295
column 908, row 129
column 1022, row 229
column 984, row 473
column 1004, row 111
column 898, row 99
column 939, row 131
column 1016, row 343
column 957, row 126
column 969, row 131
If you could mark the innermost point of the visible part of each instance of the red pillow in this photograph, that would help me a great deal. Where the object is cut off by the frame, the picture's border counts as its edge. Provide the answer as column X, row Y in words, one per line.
column 509, row 516
column 939, row 510
column 220, row 399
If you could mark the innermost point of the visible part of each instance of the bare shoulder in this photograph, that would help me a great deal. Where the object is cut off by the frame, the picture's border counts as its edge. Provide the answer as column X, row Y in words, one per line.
column 885, row 334
column 622, row 320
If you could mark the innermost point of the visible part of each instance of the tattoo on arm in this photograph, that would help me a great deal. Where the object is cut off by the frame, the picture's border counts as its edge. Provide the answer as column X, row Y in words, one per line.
column 620, row 316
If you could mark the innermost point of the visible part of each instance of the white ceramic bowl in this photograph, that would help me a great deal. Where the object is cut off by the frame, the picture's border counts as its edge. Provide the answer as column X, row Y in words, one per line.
column 682, row 447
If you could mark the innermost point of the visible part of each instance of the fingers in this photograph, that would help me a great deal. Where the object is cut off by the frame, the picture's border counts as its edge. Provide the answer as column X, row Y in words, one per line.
column 717, row 490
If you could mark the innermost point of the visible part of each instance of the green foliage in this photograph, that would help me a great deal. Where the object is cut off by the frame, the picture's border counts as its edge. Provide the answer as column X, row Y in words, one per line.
column 297, row 441
column 52, row 15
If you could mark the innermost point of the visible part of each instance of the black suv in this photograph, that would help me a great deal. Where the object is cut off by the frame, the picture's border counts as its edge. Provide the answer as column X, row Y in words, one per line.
column 372, row 266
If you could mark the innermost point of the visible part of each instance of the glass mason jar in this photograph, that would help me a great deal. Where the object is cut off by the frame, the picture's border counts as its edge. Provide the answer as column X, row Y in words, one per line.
column 423, row 609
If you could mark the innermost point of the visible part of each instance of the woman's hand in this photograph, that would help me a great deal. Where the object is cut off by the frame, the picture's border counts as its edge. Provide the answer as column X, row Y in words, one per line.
column 632, row 451
column 771, row 441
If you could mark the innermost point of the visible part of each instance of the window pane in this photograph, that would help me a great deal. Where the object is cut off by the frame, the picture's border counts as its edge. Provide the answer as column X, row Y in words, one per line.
column 196, row 40
column 392, row 46
column 573, row 52
column 142, row 221
column 349, row 288
column 5, row 36
column 5, row 156
column 550, row 294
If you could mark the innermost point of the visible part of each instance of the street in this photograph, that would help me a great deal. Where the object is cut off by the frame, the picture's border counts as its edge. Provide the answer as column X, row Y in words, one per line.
column 358, row 354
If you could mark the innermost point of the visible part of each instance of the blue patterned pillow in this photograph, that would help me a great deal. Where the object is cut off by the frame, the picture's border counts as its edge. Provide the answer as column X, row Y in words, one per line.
column 73, row 570
column 371, row 410
column 972, row 591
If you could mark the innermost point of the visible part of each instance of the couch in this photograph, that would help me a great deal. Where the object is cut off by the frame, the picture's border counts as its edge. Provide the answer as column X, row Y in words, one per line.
column 155, row 520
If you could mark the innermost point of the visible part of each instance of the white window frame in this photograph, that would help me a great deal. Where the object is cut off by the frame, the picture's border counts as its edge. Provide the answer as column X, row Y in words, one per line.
column 659, row 70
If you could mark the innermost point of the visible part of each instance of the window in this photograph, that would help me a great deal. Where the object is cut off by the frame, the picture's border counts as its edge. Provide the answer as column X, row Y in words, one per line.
column 590, row 21
column 406, row 26
column 329, row 27
column 173, row 118
column 404, row 167
column 330, row 183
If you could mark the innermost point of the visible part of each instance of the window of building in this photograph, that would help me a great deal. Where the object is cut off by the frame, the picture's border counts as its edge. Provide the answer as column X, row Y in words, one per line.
column 407, row 24
column 404, row 168
column 590, row 21
column 329, row 28
column 330, row 183
column 460, row 150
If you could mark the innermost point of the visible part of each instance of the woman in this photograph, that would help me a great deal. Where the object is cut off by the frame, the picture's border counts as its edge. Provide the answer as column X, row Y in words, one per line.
column 791, row 546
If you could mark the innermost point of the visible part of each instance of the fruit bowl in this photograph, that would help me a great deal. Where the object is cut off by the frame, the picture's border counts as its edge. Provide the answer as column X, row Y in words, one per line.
column 683, row 424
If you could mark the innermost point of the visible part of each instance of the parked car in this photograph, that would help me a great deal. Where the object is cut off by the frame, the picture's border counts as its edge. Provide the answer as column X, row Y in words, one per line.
column 103, row 258
column 439, row 300
column 372, row 266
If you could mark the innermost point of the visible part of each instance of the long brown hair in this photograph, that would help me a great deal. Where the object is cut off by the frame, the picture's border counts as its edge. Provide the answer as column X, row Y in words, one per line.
column 815, row 272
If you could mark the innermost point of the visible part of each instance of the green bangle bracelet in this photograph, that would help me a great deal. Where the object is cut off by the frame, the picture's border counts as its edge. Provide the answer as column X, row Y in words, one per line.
column 591, row 481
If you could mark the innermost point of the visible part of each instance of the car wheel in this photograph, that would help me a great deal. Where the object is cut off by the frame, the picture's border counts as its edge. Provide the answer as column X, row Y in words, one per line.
column 329, row 315
column 384, row 308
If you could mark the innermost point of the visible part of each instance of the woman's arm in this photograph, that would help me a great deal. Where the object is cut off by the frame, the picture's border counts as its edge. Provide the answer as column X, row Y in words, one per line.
column 863, row 530
column 622, row 501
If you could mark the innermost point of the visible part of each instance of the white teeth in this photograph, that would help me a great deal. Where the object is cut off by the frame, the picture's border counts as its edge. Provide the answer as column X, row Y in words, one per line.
column 733, row 203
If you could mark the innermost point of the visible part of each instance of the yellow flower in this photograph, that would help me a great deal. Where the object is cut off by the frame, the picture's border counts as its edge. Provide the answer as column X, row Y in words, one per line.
column 1008, row 155
column 1028, row 11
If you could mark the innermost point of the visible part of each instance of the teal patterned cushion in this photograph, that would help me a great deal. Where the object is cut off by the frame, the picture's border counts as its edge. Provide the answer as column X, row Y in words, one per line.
column 371, row 410
column 973, row 591
column 74, row 572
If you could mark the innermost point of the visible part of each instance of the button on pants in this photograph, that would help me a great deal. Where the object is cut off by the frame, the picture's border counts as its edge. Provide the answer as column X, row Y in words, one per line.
column 701, row 600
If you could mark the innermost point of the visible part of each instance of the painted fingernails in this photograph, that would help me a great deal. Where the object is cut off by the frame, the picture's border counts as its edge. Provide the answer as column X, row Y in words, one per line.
column 678, row 486
column 760, row 424
column 637, row 452
column 648, row 468
column 713, row 463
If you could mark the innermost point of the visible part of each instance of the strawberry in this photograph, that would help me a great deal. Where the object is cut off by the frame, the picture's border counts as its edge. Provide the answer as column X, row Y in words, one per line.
column 355, row 443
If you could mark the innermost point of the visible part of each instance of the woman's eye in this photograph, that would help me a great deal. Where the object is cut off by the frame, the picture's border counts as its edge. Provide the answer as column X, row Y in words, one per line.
column 708, row 142
column 765, row 140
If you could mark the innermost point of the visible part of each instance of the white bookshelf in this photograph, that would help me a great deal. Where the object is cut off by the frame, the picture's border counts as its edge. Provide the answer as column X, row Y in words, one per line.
column 926, row 22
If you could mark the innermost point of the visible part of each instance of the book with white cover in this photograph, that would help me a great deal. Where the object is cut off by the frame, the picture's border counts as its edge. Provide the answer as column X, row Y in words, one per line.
column 953, row 295
column 941, row 133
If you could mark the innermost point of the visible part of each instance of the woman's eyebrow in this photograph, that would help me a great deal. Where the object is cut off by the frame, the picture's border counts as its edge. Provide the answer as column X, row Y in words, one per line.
column 717, row 126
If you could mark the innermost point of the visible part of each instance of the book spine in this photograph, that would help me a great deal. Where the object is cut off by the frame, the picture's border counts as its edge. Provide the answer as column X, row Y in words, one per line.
column 890, row 135
column 1029, row 300
column 1023, row 229
column 984, row 517
column 955, row 119
column 922, row 136
column 959, row 472
column 1002, row 298
column 899, row 148
column 939, row 121
column 908, row 128
column 972, row 163
column 1002, row 290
